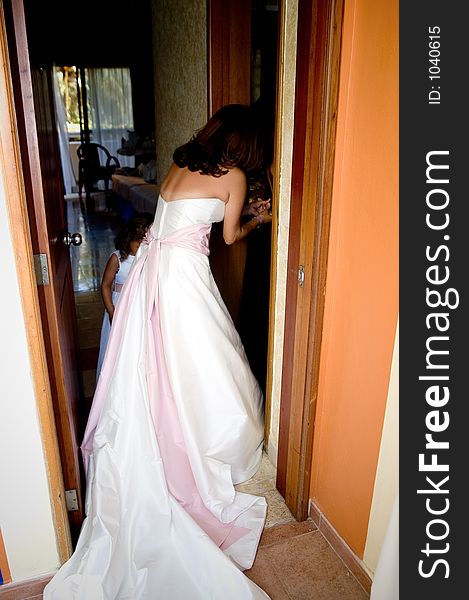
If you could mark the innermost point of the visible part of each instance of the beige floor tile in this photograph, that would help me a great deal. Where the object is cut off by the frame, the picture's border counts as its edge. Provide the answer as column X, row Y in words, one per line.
column 266, row 470
column 263, row 484
column 264, row 574
column 258, row 488
column 277, row 510
column 280, row 533
column 263, row 481
column 309, row 569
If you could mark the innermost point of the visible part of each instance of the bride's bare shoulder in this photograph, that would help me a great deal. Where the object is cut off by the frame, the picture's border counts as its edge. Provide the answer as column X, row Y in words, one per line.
column 173, row 171
column 236, row 173
column 172, row 176
column 234, row 178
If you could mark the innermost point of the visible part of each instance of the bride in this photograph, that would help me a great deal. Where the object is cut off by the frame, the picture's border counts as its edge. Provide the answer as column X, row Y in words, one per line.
column 177, row 417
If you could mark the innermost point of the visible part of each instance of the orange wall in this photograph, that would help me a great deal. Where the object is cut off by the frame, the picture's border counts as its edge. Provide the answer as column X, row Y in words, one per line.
column 362, row 285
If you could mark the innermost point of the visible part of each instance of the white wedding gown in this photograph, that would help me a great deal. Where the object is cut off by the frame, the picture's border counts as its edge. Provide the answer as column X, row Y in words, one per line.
column 176, row 421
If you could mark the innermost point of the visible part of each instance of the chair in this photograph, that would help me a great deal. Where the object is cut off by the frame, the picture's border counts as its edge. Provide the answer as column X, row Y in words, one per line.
column 90, row 169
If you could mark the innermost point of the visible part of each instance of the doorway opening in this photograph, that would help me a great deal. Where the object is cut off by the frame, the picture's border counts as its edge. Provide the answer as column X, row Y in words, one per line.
column 92, row 105
column 94, row 115
column 253, row 324
column 36, row 60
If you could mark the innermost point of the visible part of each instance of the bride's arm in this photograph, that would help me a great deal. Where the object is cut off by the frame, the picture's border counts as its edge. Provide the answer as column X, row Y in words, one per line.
column 233, row 229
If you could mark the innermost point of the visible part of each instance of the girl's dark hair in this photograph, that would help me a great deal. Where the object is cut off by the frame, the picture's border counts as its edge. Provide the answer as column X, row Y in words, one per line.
column 133, row 231
column 231, row 138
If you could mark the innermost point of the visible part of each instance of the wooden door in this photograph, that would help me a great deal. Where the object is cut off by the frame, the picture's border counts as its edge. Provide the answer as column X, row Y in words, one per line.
column 229, row 81
column 316, row 103
column 40, row 160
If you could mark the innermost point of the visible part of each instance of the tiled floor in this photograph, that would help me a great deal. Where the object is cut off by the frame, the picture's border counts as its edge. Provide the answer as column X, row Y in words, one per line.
column 263, row 484
column 98, row 231
column 294, row 561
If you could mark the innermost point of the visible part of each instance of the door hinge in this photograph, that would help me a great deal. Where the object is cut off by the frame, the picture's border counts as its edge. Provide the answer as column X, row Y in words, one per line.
column 301, row 275
column 71, row 500
column 41, row 269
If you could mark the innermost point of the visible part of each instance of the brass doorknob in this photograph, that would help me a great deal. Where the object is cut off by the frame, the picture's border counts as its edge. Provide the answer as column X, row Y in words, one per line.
column 74, row 239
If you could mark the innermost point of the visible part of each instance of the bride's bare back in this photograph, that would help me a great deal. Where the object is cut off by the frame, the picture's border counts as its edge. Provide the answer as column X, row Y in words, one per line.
column 182, row 183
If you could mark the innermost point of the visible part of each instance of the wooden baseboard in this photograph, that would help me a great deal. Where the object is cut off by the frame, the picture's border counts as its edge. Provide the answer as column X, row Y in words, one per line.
column 24, row 589
column 348, row 557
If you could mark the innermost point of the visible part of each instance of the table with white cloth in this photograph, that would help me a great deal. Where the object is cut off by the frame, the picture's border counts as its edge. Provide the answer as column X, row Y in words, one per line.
column 142, row 196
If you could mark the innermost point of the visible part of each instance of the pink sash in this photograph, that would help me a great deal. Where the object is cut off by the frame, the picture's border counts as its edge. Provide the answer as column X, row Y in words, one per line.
column 179, row 476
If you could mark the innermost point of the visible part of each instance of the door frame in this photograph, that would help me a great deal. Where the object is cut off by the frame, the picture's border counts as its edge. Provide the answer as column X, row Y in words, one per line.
column 319, row 38
column 17, row 205
column 29, row 160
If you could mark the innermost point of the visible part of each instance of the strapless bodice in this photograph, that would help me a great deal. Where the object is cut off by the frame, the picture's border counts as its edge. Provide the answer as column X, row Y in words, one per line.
column 174, row 215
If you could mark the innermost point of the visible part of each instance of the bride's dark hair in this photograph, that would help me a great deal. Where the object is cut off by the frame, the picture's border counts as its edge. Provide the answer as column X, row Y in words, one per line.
column 231, row 138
